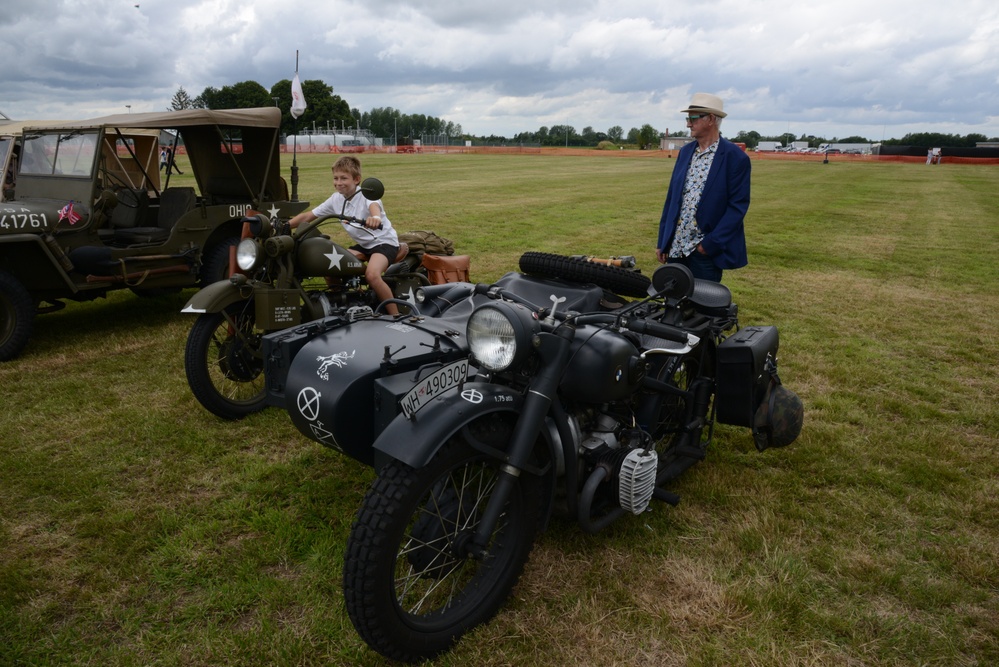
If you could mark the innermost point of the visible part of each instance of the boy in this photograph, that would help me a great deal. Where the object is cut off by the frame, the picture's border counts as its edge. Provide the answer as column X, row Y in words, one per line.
column 377, row 246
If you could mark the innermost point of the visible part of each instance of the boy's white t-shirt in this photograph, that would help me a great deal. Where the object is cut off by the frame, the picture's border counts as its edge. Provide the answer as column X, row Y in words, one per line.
column 359, row 207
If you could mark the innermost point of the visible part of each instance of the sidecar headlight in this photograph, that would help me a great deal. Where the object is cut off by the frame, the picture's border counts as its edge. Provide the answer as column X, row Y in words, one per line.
column 500, row 333
column 247, row 254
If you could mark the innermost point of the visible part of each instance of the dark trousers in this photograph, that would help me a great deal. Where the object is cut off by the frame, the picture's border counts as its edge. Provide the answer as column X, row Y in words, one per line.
column 700, row 265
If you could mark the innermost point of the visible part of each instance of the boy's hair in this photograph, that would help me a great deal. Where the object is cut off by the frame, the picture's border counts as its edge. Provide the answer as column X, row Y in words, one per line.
column 349, row 164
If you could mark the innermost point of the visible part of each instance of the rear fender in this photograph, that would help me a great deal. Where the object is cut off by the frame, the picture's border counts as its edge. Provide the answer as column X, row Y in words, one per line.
column 215, row 297
column 415, row 441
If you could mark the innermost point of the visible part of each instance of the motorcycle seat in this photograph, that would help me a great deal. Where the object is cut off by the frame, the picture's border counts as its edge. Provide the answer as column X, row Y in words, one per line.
column 711, row 298
column 404, row 263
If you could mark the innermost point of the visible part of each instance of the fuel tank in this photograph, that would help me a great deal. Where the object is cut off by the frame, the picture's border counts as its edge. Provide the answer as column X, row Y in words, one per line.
column 604, row 366
column 319, row 256
column 329, row 390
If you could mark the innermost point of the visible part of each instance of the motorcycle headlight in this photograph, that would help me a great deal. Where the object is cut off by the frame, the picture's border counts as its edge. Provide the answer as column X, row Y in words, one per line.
column 247, row 254
column 500, row 333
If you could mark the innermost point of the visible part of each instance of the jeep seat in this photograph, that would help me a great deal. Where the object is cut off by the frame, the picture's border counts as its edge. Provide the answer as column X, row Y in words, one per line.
column 126, row 216
column 174, row 203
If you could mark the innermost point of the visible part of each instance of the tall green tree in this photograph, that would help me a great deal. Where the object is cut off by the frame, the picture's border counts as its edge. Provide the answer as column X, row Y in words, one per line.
column 242, row 95
column 324, row 109
column 181, row 100
column 649, row 137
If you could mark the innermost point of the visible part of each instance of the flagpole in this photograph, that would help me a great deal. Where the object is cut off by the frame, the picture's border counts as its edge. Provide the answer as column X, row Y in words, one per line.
column 294, row 154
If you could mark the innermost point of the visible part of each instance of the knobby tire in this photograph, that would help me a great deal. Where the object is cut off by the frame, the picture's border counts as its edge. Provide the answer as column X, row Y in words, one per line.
column 225, row 370
column 409, row 588
column 613, row 278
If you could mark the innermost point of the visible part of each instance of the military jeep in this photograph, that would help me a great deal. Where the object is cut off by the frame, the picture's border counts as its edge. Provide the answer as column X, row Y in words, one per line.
column 86, row 209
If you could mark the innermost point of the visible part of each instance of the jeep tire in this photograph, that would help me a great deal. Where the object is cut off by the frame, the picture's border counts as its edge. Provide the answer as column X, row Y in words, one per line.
column 215, row 262
column 17, row 316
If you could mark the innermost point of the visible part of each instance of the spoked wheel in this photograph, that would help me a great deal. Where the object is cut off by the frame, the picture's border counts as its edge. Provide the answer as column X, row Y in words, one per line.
column 411, row 586
column 224, row 362
column 677, row 453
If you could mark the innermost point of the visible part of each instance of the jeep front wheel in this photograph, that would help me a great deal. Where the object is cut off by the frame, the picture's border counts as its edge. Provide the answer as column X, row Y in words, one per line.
column 17, row 316
column 215, row 263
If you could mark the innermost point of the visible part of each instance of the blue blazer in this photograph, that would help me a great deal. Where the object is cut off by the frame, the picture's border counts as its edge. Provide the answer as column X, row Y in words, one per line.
column 722, row 209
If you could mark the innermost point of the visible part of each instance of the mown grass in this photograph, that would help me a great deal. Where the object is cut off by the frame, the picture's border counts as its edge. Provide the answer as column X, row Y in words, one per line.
column 137, row 529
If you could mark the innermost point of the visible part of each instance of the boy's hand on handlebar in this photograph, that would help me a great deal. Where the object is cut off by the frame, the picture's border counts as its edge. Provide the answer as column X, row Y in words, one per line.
column 373, row 222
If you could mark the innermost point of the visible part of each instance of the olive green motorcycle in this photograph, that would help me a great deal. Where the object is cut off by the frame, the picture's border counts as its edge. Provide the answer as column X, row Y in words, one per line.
column 281, row 278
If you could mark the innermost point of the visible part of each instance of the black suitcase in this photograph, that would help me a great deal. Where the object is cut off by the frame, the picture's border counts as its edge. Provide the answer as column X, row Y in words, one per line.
column 744, row 373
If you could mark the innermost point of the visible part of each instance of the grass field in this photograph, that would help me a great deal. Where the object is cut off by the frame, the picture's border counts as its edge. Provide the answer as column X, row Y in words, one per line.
column 137, row 529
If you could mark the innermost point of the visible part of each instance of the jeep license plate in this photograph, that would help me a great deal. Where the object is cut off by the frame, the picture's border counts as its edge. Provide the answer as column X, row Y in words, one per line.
column 433, row 386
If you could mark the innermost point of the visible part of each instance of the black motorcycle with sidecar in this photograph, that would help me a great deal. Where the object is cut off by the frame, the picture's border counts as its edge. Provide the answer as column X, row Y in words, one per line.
column 491, row 408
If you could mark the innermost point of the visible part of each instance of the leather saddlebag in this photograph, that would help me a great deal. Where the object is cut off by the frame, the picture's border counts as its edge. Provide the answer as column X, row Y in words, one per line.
column 447, row 268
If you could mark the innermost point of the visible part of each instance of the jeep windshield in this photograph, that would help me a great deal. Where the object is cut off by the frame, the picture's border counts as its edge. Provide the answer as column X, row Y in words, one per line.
column 68, row 154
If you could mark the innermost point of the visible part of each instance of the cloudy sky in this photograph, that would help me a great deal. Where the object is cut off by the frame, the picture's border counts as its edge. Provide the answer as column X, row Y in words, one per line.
column 875, row 68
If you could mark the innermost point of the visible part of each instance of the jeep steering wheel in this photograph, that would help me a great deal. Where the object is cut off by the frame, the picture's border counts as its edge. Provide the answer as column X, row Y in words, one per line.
column 121, row 187
column 127, row 198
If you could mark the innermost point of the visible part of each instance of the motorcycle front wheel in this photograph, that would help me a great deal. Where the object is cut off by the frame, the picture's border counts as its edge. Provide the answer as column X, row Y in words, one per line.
column 224, row 363
column 410, row 585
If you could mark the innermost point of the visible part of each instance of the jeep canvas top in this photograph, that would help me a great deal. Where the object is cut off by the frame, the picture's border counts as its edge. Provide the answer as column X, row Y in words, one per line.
column 88, row 210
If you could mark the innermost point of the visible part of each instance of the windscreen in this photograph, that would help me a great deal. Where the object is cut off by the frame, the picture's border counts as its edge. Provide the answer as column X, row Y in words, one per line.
column 67, row 154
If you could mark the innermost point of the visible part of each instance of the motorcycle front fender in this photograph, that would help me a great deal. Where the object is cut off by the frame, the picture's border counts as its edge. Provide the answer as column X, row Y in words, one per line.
column 214, row 298
column 415, row 441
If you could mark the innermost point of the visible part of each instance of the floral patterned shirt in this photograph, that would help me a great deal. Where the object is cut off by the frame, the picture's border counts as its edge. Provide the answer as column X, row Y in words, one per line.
column 687, row 234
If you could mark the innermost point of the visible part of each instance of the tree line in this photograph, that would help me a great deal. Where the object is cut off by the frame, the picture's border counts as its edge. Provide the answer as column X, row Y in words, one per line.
column 327, row 111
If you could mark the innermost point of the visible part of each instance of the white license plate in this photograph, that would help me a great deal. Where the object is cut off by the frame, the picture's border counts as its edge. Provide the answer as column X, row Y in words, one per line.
column 434, row 385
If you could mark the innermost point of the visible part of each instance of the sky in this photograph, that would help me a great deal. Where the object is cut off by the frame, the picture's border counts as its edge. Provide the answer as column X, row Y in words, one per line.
column 874, row 68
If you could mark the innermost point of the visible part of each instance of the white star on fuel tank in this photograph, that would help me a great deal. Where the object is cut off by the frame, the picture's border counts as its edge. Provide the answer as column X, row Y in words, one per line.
column 335, row 258
column 274, row 210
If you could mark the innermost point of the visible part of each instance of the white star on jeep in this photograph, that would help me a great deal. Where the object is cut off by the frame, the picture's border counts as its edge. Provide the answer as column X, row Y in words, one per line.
column 274, row 210
column 335, row 258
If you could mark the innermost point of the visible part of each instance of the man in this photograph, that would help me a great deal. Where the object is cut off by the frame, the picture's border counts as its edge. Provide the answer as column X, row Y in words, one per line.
column 702, row 224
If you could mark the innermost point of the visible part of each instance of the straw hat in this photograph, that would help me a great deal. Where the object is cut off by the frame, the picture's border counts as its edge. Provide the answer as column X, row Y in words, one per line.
column 705, row 103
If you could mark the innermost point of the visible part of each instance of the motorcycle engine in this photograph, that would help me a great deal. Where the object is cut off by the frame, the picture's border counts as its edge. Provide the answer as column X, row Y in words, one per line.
column 632, row 465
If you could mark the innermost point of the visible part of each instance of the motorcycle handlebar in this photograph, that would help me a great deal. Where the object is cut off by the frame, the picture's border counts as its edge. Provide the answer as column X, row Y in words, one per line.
column 350, row 220
column 659, row 330
column 638, row 325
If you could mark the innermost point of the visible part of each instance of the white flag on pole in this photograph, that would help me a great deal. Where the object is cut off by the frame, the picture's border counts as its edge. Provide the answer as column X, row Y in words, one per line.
column 297, row 98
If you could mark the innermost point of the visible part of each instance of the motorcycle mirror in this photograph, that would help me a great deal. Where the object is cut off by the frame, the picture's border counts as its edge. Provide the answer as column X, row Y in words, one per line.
column 674, row 281
column 372, row 189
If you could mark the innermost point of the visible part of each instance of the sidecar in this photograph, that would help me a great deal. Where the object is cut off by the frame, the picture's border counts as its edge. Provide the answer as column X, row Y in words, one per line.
column 345, row 379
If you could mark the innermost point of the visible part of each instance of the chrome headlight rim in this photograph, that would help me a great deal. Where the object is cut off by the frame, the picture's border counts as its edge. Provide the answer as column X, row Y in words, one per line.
column 500, row 335
column 248, row 254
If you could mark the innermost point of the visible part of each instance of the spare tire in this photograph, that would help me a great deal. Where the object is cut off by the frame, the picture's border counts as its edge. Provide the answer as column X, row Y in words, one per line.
column 613, row 278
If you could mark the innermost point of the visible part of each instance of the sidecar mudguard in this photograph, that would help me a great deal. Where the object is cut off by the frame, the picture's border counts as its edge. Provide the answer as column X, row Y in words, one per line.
column 215, row 297
column 415, row 441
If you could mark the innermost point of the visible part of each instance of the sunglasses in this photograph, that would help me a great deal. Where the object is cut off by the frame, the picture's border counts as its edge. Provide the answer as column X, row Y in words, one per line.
column 692, row 119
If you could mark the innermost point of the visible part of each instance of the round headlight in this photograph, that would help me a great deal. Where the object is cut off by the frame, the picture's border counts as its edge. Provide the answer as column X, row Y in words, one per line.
column 499, row 334
column 247, row 253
